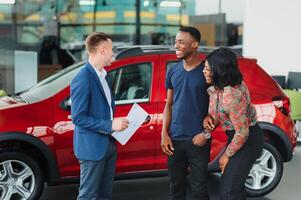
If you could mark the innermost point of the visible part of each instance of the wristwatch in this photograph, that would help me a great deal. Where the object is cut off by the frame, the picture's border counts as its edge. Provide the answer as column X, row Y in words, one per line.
column 207, row 134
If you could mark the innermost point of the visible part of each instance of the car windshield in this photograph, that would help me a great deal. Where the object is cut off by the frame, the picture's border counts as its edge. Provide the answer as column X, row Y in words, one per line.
column 51, row 85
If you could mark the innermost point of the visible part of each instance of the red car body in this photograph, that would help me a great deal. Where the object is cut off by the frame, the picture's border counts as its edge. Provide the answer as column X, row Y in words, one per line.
column 40, row 126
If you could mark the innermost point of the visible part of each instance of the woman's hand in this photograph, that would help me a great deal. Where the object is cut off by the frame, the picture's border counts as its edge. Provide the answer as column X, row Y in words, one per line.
column 208, row 123
column 223, row 161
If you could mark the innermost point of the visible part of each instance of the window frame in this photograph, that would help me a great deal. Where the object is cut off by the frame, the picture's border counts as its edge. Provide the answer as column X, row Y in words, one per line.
column 119, row 74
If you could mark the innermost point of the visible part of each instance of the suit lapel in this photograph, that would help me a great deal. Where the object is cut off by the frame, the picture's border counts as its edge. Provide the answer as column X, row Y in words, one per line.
column 96, row 79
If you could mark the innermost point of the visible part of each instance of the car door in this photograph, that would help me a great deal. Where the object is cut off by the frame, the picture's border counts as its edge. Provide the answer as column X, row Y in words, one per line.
column 63, row 127
column 166, row 61
column 63, row 135
column 136, row 81
column 132, row 81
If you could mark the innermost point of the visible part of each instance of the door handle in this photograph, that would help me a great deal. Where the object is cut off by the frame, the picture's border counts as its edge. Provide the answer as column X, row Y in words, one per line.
column 147, row 120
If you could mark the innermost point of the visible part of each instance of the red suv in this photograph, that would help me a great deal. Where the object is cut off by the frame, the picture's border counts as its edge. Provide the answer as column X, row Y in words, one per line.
column 36, row 132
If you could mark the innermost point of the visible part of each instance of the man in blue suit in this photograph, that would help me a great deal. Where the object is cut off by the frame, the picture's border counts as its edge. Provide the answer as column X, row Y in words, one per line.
column 92, row 113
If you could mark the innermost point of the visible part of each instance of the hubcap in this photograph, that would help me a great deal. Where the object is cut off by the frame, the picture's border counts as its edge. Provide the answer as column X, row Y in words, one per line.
column 16, row 180
column 263, row 171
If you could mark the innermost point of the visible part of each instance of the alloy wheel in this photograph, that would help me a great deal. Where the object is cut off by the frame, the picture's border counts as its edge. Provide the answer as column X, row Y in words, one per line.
column 17, row 180
column 263, row 171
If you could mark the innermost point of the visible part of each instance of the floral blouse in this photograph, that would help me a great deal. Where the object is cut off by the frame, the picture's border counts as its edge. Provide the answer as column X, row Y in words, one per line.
column 232, row 108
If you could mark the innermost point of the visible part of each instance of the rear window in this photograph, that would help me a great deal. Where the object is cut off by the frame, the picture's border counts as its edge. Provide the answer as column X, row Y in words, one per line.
column 261, row 85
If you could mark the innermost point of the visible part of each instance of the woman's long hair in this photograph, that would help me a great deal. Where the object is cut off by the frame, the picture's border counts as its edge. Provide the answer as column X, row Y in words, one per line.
column 224, row 67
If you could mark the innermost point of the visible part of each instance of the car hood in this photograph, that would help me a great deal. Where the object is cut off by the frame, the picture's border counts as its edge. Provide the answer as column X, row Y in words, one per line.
column 7, row 102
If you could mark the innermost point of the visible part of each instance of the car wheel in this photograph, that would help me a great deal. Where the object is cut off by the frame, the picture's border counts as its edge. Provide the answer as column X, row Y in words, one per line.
column 266, row 172
column 20, row 177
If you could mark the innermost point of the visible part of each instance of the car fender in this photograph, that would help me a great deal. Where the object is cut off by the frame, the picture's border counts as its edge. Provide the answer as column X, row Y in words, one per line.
column 285, row 148
column 53, row 172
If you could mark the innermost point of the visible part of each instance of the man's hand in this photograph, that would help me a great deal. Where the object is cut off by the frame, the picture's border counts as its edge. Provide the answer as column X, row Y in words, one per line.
column 166, row 144
column 223, row 161
column 208, row 123
column 199, row 140
column 119, row 124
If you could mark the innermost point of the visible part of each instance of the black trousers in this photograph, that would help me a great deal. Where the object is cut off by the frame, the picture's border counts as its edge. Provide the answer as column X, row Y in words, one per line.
column 232, row 186
column 191, row 159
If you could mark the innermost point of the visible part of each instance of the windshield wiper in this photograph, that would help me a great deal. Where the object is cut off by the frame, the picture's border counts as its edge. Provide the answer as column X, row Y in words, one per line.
column 19, row 98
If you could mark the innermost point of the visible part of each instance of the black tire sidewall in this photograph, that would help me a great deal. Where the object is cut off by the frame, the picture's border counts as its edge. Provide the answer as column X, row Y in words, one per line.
column 279, row 170
column 33, row 165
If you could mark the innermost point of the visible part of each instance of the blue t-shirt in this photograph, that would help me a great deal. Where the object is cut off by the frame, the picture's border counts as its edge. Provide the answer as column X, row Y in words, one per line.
column 190, row 101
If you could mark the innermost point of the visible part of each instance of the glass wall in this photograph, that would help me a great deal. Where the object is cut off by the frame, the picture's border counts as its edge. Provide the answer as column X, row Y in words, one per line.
column 56, row 29
column 27, row 22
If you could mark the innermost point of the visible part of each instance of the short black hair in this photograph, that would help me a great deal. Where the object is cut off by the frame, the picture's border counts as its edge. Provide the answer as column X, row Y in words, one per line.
column 224, row 67
column 194, row 32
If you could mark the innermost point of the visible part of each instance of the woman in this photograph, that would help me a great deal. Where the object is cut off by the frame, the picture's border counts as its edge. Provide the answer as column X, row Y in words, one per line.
column 230, row 106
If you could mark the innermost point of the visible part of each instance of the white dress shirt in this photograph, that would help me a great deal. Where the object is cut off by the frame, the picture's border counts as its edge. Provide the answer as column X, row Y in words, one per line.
column 102, row 78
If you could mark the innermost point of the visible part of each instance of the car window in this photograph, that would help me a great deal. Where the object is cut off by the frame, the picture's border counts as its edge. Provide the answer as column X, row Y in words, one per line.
column 131, row 83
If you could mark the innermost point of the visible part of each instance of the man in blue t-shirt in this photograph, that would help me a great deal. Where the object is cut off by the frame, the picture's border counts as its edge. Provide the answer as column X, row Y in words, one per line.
column 182, row 138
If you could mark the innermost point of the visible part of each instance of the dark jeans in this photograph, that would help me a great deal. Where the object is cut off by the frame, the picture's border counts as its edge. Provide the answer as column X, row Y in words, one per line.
column 96, row 177
column 193, row 159
column 232, row 186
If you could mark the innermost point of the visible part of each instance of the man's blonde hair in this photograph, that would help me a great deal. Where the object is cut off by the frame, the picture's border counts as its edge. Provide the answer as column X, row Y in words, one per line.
column 94, row 39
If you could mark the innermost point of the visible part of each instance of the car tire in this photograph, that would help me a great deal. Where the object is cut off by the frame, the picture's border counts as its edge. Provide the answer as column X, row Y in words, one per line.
column 20, row 176
column 266, row 172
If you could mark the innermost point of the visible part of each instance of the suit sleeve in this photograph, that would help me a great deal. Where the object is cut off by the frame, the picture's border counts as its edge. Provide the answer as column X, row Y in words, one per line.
column 80, row 94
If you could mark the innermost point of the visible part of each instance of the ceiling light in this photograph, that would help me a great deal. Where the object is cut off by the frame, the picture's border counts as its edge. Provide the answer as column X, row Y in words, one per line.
column 175, row 4
column 87, row 2
column 146, row 3
column 7, row 2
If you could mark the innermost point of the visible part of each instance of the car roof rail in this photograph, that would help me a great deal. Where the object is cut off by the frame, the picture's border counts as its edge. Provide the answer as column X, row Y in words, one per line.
column 129, row 52
column 137, row 50
column 237, row 53
column 146, row 47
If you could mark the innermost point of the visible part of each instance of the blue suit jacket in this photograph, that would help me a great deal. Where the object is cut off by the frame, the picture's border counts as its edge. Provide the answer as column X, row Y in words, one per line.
column 90, row 113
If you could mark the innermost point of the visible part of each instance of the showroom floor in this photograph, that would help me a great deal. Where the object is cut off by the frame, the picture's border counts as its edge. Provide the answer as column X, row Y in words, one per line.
column 157, row 188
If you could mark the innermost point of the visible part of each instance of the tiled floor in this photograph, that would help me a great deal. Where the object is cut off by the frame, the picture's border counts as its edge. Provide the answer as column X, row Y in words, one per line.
column 157, row 188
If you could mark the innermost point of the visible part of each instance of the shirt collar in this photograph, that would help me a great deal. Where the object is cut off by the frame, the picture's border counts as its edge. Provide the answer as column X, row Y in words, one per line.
column 102, row 74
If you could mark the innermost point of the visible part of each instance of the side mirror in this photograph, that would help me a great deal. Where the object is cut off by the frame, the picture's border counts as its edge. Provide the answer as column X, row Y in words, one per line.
column 66, row 104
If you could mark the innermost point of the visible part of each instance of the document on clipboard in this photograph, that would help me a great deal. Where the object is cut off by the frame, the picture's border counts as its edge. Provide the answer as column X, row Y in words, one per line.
column 136, row 117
